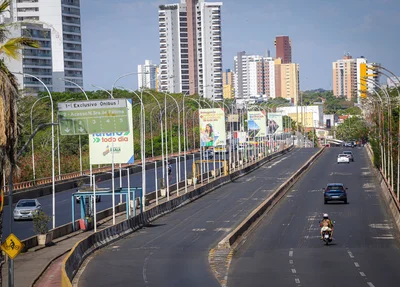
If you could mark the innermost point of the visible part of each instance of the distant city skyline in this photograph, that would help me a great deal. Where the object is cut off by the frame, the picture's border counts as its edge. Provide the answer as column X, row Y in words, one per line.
column 318, row 37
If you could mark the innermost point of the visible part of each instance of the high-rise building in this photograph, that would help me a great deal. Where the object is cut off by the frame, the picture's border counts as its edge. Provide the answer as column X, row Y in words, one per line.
column 227, row 82
column 147, row 75
column 191, row 48
column 254, row 76
column 283, row 46
column 290, row 82
column 349, row 77
column 61, row 43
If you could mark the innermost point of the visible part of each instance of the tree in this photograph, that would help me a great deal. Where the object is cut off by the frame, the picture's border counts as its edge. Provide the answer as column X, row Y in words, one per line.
column 353, row 128
column 9, row 129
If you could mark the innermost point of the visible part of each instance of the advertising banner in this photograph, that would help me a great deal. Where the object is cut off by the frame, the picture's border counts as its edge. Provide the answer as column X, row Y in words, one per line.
column 233, row 118
column 100, row 145
column 257, row 123
column 212, row 127
column 241, row 137
column 275, row 123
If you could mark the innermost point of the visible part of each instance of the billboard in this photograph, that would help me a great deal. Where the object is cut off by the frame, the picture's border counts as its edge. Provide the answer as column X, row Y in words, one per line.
column 275, row 123
column 212, row 127
column 100, row 145
column 240, row 137
column 256, row 123
column 233, row 118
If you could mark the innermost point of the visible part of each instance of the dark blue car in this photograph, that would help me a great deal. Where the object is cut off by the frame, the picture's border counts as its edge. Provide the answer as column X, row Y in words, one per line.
column 335, row 192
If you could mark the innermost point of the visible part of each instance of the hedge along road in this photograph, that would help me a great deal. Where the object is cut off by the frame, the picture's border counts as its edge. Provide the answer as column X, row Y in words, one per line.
column 24, row 229
column 173, row 250
column 285, row 249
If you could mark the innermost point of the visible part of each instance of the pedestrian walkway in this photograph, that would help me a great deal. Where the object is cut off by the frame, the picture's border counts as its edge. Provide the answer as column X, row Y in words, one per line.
column 41, row 266
column 30, row 265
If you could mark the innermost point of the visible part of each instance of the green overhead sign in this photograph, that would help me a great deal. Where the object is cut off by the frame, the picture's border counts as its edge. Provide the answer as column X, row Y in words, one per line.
column 93, row 117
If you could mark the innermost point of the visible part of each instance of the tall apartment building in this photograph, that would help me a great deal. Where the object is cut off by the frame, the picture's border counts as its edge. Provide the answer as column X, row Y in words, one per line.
column 290, row 82
column 349, row 77
column 147, row 75
column 227, row 83
column 254, row 76
column 283, row 46
column 191, row 48
column 61, row 43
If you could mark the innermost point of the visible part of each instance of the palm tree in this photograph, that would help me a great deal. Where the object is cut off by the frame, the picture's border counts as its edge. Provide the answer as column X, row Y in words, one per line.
column 9, row 48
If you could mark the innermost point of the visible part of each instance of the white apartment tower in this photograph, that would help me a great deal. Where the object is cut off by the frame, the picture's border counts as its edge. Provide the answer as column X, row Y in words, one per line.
column 254, row 76
column 191, row 48
column 147, row 75
column 61, row 43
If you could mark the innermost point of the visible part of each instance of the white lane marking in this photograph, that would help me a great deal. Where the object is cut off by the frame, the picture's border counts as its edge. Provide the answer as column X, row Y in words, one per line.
column 370, row 284
column 356, row 264
column 210, row 221
column 366, row 173
column 297, row 280
column 350, row 254
column 198, row 229
column 368, row 185
column 115, row 247
column 384, row 236
column 362, row 274
column 222, row 229
column 290, row 261
column 145, row 269
column 381, row 226
column 293, row 271
column 291, row 253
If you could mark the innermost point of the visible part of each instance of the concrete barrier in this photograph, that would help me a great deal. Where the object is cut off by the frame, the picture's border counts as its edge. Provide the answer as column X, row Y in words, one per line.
column 388, row 194
column 95, row 241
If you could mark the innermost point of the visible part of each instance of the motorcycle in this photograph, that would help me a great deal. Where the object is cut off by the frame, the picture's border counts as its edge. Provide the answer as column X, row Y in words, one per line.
column 326, row 236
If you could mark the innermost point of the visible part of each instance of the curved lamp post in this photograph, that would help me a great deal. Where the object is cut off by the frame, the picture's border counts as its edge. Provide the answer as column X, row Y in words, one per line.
column 52, row 148
column 33, row 147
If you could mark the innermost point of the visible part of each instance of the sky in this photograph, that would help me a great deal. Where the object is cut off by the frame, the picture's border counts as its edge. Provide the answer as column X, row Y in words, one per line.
column 118, row 35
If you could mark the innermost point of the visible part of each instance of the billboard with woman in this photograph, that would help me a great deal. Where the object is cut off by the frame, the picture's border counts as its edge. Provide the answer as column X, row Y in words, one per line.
column 212, row 127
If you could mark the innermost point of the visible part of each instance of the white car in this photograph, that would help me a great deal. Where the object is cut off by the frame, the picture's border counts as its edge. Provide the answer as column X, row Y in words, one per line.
column 343, row 158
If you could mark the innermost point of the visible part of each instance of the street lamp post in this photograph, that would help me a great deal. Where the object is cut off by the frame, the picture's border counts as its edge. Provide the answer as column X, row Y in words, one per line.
column 33, row 148
column 52, row 149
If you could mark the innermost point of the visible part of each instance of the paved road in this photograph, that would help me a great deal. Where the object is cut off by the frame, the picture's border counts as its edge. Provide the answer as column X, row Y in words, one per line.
column 285, row 249
column 173, row 251
column 24, row 229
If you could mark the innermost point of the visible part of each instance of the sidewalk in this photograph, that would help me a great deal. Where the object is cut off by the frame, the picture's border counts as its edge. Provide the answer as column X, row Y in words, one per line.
column 41, row 266
column 30, row 265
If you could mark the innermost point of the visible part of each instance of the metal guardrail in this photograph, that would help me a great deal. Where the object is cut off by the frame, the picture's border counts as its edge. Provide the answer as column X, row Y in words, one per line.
column 68, row 176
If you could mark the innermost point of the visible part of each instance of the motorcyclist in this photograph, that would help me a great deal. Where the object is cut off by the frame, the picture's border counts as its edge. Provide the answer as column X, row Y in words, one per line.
column 326, row 224
column 169, row 168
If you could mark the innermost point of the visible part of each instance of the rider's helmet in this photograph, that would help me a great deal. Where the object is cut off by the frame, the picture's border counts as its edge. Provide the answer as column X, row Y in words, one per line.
column 326, row 216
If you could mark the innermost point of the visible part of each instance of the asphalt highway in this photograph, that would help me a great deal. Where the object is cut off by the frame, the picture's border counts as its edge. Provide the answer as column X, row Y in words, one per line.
column 24, row 229
column 285, row 249
column 173, row 251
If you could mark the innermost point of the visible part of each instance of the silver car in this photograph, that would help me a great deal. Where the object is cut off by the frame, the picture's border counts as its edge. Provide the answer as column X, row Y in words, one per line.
column 26, row 208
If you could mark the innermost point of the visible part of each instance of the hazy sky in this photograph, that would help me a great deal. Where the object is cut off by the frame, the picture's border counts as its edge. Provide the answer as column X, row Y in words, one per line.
column 120, row 34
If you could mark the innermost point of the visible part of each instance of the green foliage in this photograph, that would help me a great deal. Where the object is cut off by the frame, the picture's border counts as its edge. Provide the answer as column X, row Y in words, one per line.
column 40, row 222
column 278, row 102
column 332, row 104
column 353, row 128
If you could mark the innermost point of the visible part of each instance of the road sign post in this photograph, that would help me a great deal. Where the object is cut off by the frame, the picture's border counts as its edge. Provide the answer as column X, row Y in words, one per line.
column 95, row 117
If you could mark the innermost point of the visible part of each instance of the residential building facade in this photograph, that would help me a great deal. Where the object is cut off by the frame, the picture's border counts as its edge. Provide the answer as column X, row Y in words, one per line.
column 283, row 46
column 191, row 48
column 290, row 82
column 59, row 32
column 393, row 82
column 227, row 82
column 349, row 77
column 147, row 75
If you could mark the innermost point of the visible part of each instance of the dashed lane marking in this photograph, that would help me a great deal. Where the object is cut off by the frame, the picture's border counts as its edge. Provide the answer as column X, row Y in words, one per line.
column 356, row 264
column 291, row 262
column 350, row 254
column 370, row 284
column 293, row 271
column 362, row 274
column 297, row 280
column 291, row 253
